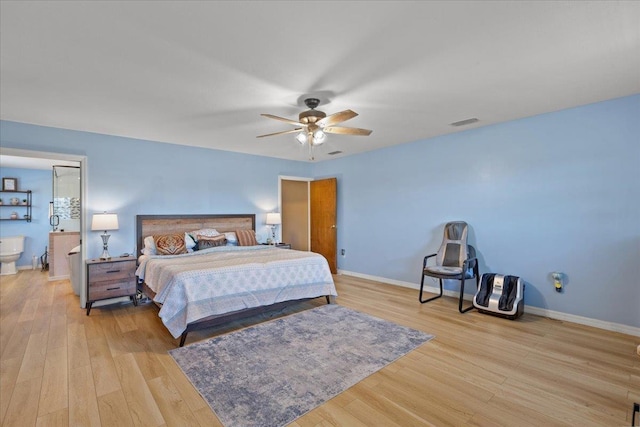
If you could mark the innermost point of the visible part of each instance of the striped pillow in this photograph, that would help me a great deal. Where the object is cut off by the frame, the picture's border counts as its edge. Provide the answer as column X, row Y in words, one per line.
column 246, row 237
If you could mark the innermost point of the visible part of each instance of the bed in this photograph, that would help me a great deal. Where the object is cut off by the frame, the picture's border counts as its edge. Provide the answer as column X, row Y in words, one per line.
column 219, row 284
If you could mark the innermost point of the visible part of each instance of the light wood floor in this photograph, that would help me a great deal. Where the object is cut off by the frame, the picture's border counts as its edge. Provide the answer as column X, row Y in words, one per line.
column 59, row 367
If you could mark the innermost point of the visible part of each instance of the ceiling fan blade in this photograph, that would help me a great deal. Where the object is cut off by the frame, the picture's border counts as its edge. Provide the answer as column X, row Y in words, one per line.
column 281, row 133
column 282, row 119
column 335, row 118
column 347, row 131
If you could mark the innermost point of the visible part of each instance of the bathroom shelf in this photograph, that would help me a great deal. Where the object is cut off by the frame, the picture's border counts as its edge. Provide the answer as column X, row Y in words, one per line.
column 19, row 205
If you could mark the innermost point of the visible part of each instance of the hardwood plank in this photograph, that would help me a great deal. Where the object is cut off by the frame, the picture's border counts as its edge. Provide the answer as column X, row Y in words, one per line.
column 564, row 411
column 182, row 383
column 54, row 394
column 57, row 331
column 78, row 349
column 142, row 406
column 23, row 408
column 28, row 310
column 206, row 418
column 105, row 376
column 368, row 414
column 34, row 356
column 9, row 369
column 114, row 410
column 173, row 408
column 17, row 343
column 83, row 404
column 336, row 415
column 55, row 419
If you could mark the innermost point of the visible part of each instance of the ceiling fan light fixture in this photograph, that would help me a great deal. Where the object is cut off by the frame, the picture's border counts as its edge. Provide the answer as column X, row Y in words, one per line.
column 301, row 138
column 319, row 137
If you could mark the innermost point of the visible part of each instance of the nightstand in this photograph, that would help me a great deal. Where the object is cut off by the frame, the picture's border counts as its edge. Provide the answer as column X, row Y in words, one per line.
column 111, row 278
column 279, row 245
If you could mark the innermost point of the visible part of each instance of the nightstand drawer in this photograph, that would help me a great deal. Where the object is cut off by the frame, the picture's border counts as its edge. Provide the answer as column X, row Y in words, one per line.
column 112, row 271
column 111, row 289
column 111, row 278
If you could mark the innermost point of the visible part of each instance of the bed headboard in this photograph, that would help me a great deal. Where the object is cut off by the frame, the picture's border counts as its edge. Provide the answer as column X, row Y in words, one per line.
column 147, row 225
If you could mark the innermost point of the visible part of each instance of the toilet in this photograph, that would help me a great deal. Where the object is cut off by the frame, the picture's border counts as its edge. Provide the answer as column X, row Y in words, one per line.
column 11, row 248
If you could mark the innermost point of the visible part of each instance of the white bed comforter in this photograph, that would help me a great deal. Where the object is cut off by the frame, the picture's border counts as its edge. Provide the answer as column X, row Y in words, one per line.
column 220, row 280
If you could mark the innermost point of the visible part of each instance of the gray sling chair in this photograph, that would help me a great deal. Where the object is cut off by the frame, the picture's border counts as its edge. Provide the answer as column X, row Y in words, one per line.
column 455, row 260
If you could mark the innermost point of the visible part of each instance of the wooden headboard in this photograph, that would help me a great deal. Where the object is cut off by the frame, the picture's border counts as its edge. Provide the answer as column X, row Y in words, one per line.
column 148, row 225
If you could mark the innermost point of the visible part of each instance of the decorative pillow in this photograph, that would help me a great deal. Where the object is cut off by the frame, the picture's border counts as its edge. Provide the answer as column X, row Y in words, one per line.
column 205, row 242
column 246, row 238
column 232, row 239
column 207, row 232
column 189, row 242
column 149, row 246
column 170, row 244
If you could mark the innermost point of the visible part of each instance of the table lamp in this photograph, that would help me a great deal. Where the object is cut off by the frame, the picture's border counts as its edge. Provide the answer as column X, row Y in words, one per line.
column 273, row 220
column 104, row 221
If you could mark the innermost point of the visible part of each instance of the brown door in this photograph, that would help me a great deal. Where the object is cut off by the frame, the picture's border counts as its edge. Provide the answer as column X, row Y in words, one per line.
column 323, row 220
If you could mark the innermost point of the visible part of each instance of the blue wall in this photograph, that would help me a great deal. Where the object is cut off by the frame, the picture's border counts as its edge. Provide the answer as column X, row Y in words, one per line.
column 131, row 177
column 555, row 192
column 36, row 232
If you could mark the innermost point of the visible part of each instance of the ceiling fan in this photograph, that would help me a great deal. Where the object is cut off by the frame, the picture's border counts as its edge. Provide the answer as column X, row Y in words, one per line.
column 313, row 125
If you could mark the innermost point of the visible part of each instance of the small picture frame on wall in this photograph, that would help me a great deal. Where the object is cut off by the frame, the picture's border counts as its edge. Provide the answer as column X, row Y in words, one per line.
column 9, row 184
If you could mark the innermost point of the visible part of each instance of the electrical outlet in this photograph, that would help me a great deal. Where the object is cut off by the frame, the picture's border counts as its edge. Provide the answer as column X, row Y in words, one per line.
column 342, row 252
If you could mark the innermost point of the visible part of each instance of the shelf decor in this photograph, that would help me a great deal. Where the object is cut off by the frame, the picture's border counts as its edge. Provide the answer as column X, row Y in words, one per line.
column 16, row 202
column 9, row 184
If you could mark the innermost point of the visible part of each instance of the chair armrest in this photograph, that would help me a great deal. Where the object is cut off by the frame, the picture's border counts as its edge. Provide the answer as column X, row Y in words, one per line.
column 424, row 263
column 469, row 263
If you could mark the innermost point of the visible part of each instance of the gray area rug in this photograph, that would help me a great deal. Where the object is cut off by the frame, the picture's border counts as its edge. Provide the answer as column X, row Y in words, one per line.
column 272, row 373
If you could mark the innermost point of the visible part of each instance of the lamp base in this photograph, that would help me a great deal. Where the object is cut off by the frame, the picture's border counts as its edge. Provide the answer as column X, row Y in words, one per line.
column 105, row 246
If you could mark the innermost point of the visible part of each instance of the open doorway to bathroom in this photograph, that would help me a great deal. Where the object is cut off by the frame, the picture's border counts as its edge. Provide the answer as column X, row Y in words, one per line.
column 38, row 230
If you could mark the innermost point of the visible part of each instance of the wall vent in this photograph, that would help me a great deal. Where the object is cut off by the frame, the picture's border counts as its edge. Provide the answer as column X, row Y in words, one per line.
column 333, row 153
column 464, row 122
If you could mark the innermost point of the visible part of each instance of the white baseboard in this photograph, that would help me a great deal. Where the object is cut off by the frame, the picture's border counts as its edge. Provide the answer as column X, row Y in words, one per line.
column 557, row 315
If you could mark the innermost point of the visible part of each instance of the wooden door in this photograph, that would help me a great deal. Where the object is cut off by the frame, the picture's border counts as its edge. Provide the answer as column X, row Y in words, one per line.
column 323, row 220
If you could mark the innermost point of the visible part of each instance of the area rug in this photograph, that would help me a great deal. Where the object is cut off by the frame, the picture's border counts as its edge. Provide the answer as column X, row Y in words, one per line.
column 272, row 373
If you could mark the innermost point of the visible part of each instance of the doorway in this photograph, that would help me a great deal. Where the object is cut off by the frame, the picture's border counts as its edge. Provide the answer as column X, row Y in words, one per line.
column 294, row 202
column 38, row 157
column 308, row 210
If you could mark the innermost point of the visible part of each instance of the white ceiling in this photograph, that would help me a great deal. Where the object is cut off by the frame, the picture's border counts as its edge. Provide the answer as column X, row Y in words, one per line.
column 200, row 73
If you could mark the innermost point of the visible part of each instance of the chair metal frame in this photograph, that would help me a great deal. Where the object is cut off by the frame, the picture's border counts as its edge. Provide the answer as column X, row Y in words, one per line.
column 470, row 263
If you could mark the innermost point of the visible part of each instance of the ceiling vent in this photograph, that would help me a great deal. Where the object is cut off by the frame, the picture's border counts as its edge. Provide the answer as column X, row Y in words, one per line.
column 333, row 153
column 464, row 122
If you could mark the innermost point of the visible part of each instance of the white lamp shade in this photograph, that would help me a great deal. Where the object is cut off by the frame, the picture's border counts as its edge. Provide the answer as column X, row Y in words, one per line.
column 104, row 221
column 274, row 218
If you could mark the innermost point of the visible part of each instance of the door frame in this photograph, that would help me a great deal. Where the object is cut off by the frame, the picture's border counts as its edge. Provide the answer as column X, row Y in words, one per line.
column 83, row 194
column 296, row 178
